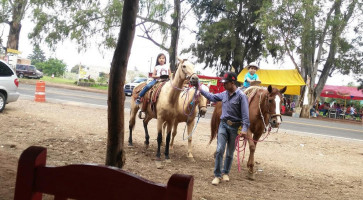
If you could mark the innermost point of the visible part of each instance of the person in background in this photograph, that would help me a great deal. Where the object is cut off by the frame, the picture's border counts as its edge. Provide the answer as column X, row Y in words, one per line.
column 353, row 112
column 251, row 77
column 288, row 103
column 161, row 71
column 235, row 114
column 347, row 111
column 324, row 108
column 339, row 109
column 283, row 109
column 292, row 105
column 313, row 111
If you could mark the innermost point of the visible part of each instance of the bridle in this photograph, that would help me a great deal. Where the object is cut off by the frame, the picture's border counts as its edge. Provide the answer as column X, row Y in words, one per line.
column 187, row 77
column 270, row 113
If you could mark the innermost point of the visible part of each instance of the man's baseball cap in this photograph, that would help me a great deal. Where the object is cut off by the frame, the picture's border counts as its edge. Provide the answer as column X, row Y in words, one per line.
column 229, row 76
column 253, row 64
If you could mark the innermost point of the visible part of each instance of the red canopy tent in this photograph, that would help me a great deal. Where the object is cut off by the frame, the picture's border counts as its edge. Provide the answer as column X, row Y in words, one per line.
column 342, row 92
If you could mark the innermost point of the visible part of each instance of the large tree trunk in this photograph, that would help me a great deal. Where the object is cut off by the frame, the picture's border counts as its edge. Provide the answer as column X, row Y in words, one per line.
column 237, row 62
column 115, row 155
column 308, row 51
column 14, row 34
column 175, row 30
column 18, row 11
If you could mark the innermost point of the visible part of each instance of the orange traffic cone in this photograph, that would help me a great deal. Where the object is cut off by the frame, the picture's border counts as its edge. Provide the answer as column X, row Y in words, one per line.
column 40, row 91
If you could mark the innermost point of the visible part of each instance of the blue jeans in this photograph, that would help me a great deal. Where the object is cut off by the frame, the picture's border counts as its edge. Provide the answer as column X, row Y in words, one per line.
column 146, row 88
column 226, row 135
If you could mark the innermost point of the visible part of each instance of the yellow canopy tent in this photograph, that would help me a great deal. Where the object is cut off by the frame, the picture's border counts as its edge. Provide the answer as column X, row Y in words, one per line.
column 278, row 78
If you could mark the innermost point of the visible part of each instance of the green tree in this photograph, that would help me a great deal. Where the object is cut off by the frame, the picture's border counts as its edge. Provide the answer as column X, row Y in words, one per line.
column 75, row 69
column 79, row 21
column 315, row 38
column 228, row 36
column 161, row 23
column 12, row 13
column 37, row 56
column 53, row 66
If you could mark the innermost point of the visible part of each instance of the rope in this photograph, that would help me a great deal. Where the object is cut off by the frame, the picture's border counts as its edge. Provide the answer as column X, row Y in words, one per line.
column 243, row 147
column 263, row 119
column 195, row 126
column 195, row 96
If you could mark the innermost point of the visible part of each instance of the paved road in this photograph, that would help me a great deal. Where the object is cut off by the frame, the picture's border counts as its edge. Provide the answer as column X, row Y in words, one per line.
column 330, row 128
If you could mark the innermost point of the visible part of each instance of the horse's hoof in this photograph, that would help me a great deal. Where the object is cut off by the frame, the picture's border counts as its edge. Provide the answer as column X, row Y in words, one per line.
column 146, row 146
column 171, row 150
column 158, row 164
column 130, row 145
column 191, row 159
column 168, row 160
column 251, row 176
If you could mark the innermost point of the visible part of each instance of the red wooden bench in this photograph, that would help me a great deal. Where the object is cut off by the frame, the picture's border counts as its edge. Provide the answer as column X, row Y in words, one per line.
column 90, row 181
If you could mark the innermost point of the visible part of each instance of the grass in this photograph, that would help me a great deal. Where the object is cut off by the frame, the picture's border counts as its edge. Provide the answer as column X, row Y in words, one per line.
column 59, row 80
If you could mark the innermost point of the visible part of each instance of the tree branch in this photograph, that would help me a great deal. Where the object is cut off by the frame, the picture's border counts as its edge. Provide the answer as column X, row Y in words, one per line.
column 148, row 37
column 155, row 21
column 322, row 37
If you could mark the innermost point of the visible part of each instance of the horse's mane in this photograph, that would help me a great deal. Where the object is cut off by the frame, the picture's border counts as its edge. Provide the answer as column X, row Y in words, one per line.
column 251, row 91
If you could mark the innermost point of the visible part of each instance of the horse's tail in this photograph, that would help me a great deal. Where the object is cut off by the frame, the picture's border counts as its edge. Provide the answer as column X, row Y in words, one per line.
column 216, row 119
column 133, row 107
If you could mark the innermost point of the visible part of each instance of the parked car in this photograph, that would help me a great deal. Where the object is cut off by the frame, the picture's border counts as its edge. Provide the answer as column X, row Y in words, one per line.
column 8, row 85
column 129, row 87
column 29, row 71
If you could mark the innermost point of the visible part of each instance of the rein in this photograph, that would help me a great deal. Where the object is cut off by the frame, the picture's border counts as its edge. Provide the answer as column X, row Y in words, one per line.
column 244, row 144
column 242, row 148
column 193, row 104
column 259, row 107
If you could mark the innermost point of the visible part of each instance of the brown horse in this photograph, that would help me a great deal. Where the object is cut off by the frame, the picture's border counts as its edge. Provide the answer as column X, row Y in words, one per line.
column 264, row 109
column 166, row 106
column 186, row 112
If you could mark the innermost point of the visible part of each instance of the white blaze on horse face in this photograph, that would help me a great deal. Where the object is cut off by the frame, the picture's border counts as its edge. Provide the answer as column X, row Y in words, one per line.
column 277, row 101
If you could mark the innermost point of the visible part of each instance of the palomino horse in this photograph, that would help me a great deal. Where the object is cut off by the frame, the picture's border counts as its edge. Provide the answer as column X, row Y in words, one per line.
column 264, row 109
column 186, row 112
column 166, row 106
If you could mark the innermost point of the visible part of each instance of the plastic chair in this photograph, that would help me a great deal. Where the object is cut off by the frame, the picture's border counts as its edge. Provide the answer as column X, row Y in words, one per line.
column 90, row 181
column 333, row 113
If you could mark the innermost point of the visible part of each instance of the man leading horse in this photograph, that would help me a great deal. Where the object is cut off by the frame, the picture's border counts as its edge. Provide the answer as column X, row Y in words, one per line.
column 234, row 115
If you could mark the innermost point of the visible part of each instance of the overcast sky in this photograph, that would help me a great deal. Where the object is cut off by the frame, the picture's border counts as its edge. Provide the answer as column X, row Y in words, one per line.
column 142, row 52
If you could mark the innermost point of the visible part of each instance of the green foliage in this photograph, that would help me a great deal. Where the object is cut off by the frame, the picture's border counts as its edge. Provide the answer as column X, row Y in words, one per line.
column 227, row 36
column 53, row 66
column 75, row 69
column 80, row 21
column 288, row 24
column 37, row 56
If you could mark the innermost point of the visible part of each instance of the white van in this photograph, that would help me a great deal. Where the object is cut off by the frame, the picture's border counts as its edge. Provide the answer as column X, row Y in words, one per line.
column 8, row 85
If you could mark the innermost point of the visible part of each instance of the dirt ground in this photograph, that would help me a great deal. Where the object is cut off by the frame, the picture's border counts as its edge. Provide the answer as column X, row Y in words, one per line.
column 290, row 165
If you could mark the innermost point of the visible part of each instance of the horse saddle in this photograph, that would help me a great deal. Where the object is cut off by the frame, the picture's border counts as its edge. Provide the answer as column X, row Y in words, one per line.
column 151, row 96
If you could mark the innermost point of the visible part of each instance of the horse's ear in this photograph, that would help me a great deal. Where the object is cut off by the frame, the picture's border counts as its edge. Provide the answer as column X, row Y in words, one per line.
column 283, row 90
column 269, row 88
column 180, row 60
